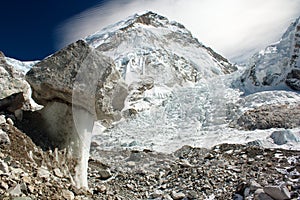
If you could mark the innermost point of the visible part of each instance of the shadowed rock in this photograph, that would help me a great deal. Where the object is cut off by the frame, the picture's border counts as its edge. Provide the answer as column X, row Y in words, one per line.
column 12, row 102
column 76, row 86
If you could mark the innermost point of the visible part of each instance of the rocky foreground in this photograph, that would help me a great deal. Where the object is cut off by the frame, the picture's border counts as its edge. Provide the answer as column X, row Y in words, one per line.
column 226, row 171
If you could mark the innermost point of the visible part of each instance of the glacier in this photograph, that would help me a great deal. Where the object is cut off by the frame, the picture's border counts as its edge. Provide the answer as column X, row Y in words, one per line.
column 198, row 116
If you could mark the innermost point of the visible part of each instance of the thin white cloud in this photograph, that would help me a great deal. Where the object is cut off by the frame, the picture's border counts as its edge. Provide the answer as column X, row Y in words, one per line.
column 231, row 27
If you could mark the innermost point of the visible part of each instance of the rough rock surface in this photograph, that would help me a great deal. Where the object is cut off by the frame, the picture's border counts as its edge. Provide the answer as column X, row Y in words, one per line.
column 270, row 116
column 73, row 71
column 11, row 80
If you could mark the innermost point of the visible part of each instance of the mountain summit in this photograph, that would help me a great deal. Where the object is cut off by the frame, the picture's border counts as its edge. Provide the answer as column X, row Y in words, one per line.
column 154, row 54
column 149, row 45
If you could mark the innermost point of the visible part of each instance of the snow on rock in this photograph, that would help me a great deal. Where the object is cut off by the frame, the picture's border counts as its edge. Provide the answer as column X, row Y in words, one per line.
column 150, row 45
column 23, row 66
column 276, row 67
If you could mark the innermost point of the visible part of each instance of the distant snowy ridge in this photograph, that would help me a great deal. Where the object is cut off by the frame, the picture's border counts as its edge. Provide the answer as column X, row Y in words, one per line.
column 271, row 68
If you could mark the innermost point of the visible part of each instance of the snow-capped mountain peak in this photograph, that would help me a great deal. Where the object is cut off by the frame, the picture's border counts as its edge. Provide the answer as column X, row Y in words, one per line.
column 149, row 47
column 149, row 36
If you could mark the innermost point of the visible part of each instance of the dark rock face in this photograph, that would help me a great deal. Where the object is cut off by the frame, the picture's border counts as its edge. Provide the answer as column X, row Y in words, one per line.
column 272, row 116
column 12, row 102
column 293, row 79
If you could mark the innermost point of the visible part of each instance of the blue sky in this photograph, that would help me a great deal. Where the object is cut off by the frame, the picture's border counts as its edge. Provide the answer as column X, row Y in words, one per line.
column 28, row 27
column 234, row 28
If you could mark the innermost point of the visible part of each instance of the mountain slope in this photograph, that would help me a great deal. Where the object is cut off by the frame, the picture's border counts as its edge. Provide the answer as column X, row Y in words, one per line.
column 276, row 67
column 154, row 54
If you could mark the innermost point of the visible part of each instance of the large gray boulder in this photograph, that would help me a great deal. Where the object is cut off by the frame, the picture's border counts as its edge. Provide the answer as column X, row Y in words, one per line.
column 270, row 116
column 283, row 137
column 76, row 86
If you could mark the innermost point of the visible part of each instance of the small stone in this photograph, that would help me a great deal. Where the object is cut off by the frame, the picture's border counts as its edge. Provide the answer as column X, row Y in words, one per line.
column 254, row 143
column 185, row 163
column 104, row 174
column 4, row 185
column 58, row 173
column 31, row 189
column 282, row 137
column 101, row 188
column 269, row 164
column 2, row 119
column 15, row 191
column 254, row 186
column 3, row 167
column 68, row 195
column 246, row 192
column 26, row 179
column 4, row 139
column 192, row 194
column 228, row 152
column 167, row 197
column 278, row 192
column 10, row 121
column 43, row 172
column 130, row 186
column 237, row 197
column 209, row 156
column 157, row 194
column 131, row 164
column 178, row 195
